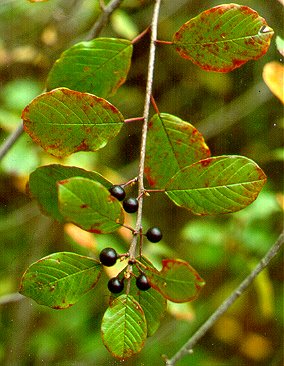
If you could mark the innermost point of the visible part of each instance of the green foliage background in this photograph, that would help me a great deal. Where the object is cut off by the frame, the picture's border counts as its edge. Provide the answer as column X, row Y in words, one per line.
column 223, row 249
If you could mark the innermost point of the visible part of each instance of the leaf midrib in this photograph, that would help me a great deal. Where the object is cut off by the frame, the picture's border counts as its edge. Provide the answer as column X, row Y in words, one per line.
column 215, row 187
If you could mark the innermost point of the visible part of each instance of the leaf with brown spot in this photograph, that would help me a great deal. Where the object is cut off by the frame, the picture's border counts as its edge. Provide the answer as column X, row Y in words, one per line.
column 177, row 281
column 124, row 328
column 89, row 205
column 65, row 121
column 217, row 185
column 60, row 279
column 99, row 66
column 223, row 38
column 43, row 185
column 172, row 144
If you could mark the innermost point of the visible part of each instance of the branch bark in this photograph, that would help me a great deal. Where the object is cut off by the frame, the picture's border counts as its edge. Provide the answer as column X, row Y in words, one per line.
column 188, row 346
column 103, row 18
column 147, row 103
column 11, row 139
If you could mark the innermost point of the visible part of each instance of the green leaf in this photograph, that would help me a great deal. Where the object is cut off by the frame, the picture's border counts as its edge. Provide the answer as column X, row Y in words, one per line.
column 124, row 327
column 64, row 121
column 172, row 144
column 177, row 281
column 98, row 67
column 60, row 279
column 89, row 205
column 223, row 38
column 217, row 185
column 152, row 302
column 43, row 187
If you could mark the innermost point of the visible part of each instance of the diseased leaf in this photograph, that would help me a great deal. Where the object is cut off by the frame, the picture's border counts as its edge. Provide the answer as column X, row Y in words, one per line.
column 64, row 121
column 217, row 185
column 99, row 66
column 89, row 205
column 43, row 187
column 273, row 75
column 60, row 279
column 124, row 329
column 172, row 144
column 177, row 281
column 223, row 38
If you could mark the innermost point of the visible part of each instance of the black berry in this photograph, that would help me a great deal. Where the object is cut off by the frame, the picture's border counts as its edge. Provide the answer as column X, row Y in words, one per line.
column 115, row 285
column 117, row 192
column 130, row 205
column 142, row 283
column 108, row 257
column 154, row 234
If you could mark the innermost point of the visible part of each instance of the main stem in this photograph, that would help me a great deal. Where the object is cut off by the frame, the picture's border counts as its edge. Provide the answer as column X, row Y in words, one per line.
column 188, row 346
column 151, row 64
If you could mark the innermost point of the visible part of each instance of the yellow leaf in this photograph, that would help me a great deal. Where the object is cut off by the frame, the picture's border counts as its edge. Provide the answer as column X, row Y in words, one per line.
column 256, row 347
column 273, row 75
column 80, row 236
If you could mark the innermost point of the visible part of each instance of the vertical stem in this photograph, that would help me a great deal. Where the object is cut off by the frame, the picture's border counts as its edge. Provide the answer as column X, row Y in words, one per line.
column 154, row 27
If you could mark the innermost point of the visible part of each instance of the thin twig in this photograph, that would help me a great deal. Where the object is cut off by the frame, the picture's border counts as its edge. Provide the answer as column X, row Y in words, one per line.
column 188, row 346
column 154, row 27
column 11, row 139
column 233, row 112
column 140, row 36
column 6, row 299
column 103, row 19
column 135, row 119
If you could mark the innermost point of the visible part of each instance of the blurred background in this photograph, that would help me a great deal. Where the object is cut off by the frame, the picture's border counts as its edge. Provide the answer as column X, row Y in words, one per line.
column 236, row 113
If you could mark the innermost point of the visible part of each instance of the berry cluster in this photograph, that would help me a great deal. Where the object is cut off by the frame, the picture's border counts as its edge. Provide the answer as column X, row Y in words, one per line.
column 108, row 258
column 130, row 204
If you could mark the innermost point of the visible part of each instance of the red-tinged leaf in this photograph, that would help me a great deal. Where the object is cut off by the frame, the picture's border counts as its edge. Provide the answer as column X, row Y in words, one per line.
column 64, row 121
column 177, row 281
column 217, row 185
column 89, row 205
column 124, row 328
column 223, row 38
column 172, row 144
column 43, row 185
column 99, row 66
column 60, row 279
